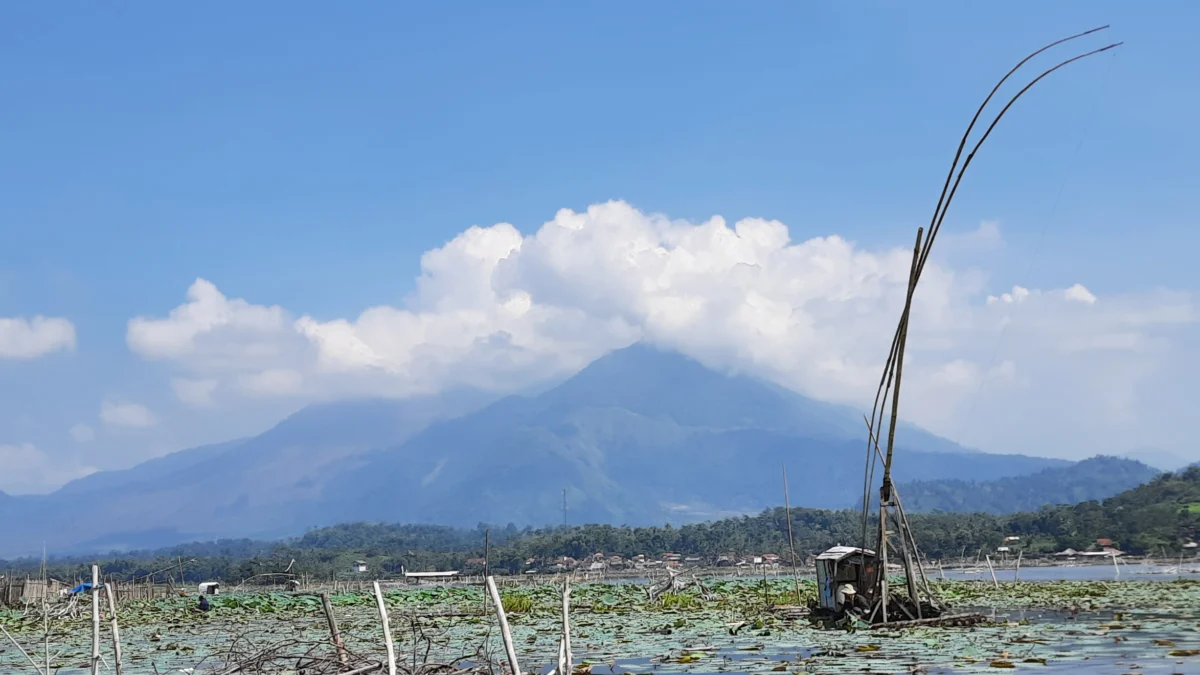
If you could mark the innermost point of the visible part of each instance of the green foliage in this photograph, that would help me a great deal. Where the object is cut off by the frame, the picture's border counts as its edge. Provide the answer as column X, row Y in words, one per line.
column 515, row 603
column 678, row 601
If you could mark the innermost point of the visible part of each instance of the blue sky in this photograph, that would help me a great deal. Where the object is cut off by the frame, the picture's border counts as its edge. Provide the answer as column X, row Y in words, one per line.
column 306, row 155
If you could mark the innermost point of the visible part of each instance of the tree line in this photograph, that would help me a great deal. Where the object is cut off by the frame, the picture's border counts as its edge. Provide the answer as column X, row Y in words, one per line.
column 1160, row 515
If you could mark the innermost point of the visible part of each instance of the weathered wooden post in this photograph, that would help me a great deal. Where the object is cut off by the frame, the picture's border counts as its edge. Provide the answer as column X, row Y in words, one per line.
column 387, row 630
column 505, row 633
column 95, row 593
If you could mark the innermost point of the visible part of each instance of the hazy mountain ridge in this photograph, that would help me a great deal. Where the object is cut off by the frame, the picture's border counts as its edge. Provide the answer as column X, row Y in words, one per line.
column 638, row 437
column 1091, row 479
column 705, row 445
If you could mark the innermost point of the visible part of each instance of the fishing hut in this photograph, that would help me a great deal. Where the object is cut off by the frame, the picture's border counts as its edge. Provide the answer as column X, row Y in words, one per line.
column 839, row 566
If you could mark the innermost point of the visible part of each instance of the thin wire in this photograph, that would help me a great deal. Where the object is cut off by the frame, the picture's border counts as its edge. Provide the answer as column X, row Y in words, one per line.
column 1037, row 248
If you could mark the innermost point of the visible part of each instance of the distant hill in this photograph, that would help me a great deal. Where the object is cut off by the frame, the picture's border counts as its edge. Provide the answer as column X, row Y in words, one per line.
column 640, row 436
column 1151, row 518
column 1157, row 458
column 242, row 487
column 1155, row 518
column 1090, row 479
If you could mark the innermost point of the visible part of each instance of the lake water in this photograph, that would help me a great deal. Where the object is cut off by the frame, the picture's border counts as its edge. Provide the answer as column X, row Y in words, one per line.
column 1093, row 572
column 1137, row 572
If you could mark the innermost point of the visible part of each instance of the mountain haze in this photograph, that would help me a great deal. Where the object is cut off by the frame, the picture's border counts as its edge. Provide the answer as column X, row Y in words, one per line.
column 639, row 436
column 1088, row 480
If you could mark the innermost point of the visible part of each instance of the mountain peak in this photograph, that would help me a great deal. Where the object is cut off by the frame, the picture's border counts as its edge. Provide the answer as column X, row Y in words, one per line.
column 641, row 365
column 662, row 384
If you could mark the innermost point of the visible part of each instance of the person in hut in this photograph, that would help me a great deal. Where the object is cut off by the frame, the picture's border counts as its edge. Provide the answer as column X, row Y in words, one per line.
column 850, row 601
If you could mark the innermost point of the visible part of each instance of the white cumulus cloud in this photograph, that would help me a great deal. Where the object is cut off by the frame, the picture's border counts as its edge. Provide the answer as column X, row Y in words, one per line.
column 22, row 338
column 1080, row 294
column 500, row 310
column 208, row 325
column 125, row 414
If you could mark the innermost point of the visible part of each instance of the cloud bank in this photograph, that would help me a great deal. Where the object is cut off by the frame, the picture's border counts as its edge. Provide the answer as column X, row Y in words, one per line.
column 24, row 469
column 31, row 338
column 499, row 310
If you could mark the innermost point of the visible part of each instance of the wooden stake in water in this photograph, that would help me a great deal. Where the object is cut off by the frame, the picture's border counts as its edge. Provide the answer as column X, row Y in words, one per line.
column 505, row 633
column 787, row 509
column 487, row 562
column 45, row 610
column 116, row 630
column 387, row 630
column 333, row 629
column 566, row 636
column 95, row 593
column 993, row 571
column 1118, row 569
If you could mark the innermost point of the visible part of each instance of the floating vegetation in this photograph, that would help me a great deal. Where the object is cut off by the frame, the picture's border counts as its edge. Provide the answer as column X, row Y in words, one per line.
column 517, row 603
column 1090, row 626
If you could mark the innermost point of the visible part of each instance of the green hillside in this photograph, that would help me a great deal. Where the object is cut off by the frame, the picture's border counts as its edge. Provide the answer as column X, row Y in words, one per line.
column 1095, row 478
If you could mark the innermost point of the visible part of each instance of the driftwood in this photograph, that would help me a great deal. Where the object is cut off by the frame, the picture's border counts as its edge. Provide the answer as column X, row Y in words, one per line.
column 246, row 658
column 22, row 650
column 677, row 582
column 947, row 620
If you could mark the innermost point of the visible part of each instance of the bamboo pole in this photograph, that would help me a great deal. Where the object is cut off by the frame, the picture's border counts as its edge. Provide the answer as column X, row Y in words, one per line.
column 1017, row 572
column 505, row 633
column 992, row 570
column 487, row 562
column 566, row 627
column 116, row 630
column 909, row 578
column 387, row 630
column 561, row 668
column 883, row 562
column 333, row 629
column 20, row 649
column 899, row 364
column 787, row 509
column 45, row 611
column 95, row 593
